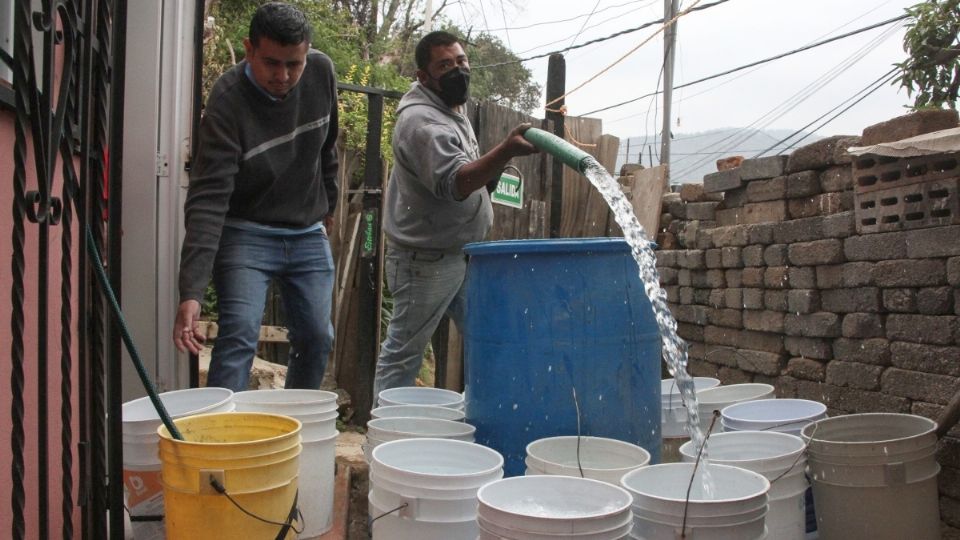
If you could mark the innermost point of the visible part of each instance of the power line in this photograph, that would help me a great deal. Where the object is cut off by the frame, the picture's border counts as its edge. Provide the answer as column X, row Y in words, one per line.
column 585, row 21
column 503, row 14
column 598, row 40
column 570, row 19
column 592, row 26
column 758, row 62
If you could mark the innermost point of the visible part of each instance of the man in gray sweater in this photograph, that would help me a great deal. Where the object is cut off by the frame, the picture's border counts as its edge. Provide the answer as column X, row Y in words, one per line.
column 437, row 201
column 263, row 189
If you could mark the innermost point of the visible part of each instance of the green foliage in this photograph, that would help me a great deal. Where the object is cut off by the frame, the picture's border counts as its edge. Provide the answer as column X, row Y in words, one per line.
column 932, row 69
column 510, row 84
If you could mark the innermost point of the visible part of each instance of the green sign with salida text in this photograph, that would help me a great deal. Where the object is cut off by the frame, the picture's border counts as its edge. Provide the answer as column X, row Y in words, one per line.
column 509, row 191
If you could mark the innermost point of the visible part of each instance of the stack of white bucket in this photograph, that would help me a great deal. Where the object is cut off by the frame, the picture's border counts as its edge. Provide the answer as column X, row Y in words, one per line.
column 418, row 411
column 429, row 413
column 720, row 397
column 597, row 458
column 420, row 395
column 779, row 457
column 384, row 430
column 539, row 507
column 317, row 412
column 673, row 415
column 141, row 459
column 426, row 489
column 663, row 509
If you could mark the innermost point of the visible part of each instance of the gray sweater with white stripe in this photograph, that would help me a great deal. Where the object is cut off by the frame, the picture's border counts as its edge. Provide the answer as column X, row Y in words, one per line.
column 260, row 160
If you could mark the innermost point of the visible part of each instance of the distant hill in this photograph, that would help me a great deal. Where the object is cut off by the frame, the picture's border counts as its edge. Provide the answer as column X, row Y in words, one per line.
column 693, row 155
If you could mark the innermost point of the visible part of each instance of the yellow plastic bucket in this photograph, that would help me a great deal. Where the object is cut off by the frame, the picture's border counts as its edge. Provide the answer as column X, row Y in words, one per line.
column 253, row 456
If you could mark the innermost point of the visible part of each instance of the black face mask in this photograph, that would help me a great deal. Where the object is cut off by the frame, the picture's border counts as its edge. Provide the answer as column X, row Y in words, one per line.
column 454, row 86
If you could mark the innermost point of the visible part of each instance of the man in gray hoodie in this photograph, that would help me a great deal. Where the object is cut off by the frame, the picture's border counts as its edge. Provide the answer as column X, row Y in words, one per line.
column 437, row 200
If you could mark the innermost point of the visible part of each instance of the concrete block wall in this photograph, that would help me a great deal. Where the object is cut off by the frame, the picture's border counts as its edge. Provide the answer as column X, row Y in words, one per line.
column 769, row 282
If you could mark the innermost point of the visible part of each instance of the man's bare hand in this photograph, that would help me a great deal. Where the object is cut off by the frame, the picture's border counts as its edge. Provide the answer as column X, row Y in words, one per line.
column 186, row 328
column 517, row 145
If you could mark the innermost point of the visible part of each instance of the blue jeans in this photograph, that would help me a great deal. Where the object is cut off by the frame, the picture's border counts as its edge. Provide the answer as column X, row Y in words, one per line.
column 303, row 266
column 425, row 286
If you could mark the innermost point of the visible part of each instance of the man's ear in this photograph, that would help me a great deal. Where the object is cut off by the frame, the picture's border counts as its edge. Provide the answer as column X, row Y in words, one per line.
column 247, row 47
column 422, row 76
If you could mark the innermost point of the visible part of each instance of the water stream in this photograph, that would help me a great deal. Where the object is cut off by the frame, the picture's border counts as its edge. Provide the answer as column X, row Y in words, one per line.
column 674, row 349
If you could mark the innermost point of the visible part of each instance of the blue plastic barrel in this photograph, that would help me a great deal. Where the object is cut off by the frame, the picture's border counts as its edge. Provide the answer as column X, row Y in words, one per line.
column 545, row 317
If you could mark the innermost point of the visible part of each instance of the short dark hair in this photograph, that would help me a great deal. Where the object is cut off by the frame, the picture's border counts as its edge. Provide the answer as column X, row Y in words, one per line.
column 280, row 22
column 428, row 42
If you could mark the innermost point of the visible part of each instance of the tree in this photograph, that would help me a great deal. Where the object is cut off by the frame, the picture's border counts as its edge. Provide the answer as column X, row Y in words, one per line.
column 932, row 69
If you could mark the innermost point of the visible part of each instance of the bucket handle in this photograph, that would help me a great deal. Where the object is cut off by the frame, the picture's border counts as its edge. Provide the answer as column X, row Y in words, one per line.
column 294, row 515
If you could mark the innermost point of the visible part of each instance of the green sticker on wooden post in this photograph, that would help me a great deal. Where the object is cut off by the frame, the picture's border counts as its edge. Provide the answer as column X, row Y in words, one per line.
column 367, row 250
column 509, row 191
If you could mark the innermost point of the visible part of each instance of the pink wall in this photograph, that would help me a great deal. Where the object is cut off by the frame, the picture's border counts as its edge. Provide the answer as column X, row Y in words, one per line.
column 33, row 394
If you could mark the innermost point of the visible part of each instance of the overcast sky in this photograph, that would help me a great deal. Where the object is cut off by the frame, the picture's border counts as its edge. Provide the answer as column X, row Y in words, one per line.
column 709, row 41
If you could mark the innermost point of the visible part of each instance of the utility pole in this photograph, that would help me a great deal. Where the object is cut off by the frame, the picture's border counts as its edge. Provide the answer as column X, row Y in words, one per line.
column 556, row 88
column 670, row 8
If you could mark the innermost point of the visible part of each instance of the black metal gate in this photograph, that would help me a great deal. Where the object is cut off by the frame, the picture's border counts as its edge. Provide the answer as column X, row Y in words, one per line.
column 67, row 100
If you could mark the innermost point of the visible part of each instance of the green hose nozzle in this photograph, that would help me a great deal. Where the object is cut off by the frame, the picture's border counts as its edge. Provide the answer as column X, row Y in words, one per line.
column 569, row 154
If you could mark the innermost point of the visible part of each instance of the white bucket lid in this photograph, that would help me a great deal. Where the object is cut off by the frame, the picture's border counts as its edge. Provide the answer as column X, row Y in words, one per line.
column 141, row 418
column 417, row 411
column 435, row 463
column 785, row 415
column 758, row 451
column 720, row 396
column 553, row 504
column 421, row 395
column 500, row 531
column 392, row 428
column 663, row 489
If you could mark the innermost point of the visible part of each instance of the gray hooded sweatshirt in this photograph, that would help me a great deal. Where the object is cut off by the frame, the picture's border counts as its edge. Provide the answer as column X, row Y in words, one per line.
column 423, row 210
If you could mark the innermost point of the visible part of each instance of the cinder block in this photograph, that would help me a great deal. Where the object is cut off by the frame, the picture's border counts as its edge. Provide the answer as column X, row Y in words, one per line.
column 692, row 259
column 695, row 193
column 722, row 181
column 821, row 154
column 673, row 294
column 876, row 247
column 733, row 198
column 855, row 401
column 910, row 272
column 803, row 301
column 712, row 258
column 909, row 125
column 771, row 211
column 752, row 277
column 867, row 351
column 684, row 278
column 856, row 300
column 752, row 298
column 819, row 349
column 935, row 242
column 728, row 216
column 799, row 230
column 862, row 325
column 858, row 274
column 925, row 358
column 935, row 301
column 724, row 356
column 776, row 277
column 733, row 298
column 686, row 295
column 841, row 225
column 763, row 321
column 806, row 369
column 732, row 337
column 934, row 330
column 821, row 324
column 668, row 276
column 802, row 184
column 854, row 375
column 839, row 178
column 666, row 257
column 734, row 278
column 767, row 190
column 775, row 300
column 690, row 314
column 701, row 210
column 775, row 255
column 753, row 255
column 716, row 298
column 760, row 362
column 761, row 233
column 690, row 332
column 803, row 277
column 765, row 167
column 731, row 257
column 824, row 204
column 701, row 296
column 818, row 252
column 736, row 235
column 927, row 387
column 953, row 271
column 900, row 300
column 728, row 318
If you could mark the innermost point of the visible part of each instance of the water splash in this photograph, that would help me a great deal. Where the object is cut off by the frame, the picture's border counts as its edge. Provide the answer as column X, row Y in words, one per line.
column 674, row 349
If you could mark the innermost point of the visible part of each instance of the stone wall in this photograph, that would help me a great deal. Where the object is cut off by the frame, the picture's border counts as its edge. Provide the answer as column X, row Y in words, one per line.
column 770, row 282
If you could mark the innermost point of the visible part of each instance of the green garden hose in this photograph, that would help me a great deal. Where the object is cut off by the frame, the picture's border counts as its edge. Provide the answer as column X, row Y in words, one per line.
column 569, row 154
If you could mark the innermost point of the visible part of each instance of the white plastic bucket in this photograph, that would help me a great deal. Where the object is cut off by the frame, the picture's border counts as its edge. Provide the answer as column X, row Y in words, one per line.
column 421, row 395
column 417, row 411
column 673, row 413
column 141, row 459
column 779, row 457
column 598, row 458
column 317, row 412
column 435, row 481
column 492, row 531
column 536, row 506
column 735, row 512
column 720, row 397
column 874, row 476
column 383, row 430
column 782, row 415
